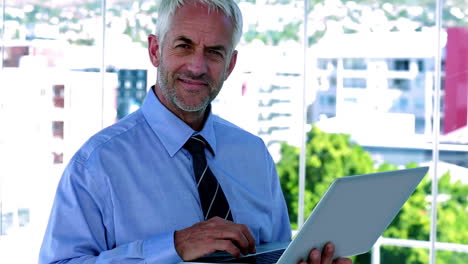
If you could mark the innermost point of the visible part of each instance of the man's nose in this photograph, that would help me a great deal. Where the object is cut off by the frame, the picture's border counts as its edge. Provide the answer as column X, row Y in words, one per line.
column 198, row 64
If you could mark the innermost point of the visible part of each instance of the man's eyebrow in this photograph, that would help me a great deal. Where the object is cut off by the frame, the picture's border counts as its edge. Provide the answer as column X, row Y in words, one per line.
column 184, row 39
column 189, row 41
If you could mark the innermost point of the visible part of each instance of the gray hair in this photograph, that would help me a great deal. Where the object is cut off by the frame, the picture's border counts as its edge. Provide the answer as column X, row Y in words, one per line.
column 167, row 10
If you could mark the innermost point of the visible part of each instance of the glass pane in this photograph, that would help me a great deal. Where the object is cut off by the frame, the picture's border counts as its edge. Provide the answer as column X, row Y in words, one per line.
column 371, row 86
column 370, row 99
column 453, row 180
column 456, row 257
column 392, row 254
column 51, row 102
column 375, row 74
column 263, row 94
column 128, row 25
column 2, row 23
column 268, row 81
column 2, row 157
column 452, row 204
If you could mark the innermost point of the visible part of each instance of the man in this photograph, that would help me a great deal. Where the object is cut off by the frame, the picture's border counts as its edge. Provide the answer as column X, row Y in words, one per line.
column 134, row 192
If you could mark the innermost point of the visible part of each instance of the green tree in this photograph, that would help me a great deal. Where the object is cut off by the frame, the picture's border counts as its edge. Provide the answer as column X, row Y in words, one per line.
column 329, row 156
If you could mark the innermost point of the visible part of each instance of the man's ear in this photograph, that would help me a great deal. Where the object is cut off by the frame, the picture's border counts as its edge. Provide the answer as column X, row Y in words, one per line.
column 153, row 50
column 232, row 64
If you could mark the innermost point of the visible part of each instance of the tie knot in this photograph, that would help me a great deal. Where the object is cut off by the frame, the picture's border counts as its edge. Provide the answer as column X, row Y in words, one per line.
column 195, row 145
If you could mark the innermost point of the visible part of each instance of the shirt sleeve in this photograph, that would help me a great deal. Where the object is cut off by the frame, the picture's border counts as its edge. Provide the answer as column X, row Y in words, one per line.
column 80, row 228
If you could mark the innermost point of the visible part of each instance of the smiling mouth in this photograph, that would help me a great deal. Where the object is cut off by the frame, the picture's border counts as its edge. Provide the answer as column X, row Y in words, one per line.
column 193, row 84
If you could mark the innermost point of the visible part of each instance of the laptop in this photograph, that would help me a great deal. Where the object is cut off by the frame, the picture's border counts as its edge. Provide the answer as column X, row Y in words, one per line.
column 352, row 214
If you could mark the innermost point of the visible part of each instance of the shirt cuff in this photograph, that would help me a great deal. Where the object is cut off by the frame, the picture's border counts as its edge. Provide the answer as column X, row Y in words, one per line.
column 160, row 249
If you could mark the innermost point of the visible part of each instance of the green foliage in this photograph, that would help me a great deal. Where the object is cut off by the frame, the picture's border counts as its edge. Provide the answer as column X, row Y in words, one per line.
column 320, row 10
column 273, row 37
column 393, row 254
column 453, row 211
column 329, row 156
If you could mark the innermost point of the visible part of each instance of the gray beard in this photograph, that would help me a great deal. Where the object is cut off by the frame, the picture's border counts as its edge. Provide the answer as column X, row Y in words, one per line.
column 171, row 95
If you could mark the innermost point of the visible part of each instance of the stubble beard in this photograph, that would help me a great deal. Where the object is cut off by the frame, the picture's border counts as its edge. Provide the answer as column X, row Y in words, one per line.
column 169, row 91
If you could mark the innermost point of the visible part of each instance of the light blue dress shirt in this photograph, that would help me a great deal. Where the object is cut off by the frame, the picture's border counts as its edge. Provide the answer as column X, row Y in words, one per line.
column 127, row 190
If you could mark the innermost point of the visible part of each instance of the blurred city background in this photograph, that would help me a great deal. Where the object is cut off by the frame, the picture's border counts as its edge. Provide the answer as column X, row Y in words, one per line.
column 373, row 86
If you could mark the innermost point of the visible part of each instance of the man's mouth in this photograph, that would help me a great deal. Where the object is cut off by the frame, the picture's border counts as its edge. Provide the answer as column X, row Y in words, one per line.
column 192, row 84
column 193, row 81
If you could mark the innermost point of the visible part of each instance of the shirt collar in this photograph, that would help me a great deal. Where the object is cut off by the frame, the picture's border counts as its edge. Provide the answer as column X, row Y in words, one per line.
column 170, row 129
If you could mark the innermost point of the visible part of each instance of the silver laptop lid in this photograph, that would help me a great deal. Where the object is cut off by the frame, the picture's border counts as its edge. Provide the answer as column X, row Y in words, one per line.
column 354, row 212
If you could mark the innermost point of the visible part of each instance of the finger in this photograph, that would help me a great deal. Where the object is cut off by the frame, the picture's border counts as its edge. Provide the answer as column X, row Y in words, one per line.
column 343, row 261
column 228, row 246
column 239, row 234
column 250, row 246
column 201, row 239
column 327, row 253
column 314, row 256
column 250, row 238
column 220, row 229
column 236, row 237
column 216, row 220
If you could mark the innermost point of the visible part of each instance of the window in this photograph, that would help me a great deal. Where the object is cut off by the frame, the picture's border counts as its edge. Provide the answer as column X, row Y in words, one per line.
column 420, row 125
column 350, row 100
column 418, row 103
column 271, row 102
column 332, row 81
column 71, row 95
column 400, row 84
column 354, row 64
column 399, row 65
column 57, row 129
column 7, row 222
column 59, row 93
column 402, row 104
column 421, row 65
column 354, row 83
column 327, row 100
column 323, row 99
column 322, row 64
column 23, row 217
column 131, row 90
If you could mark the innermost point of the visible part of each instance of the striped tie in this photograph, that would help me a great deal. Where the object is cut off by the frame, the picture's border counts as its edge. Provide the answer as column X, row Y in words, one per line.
column 211, row 194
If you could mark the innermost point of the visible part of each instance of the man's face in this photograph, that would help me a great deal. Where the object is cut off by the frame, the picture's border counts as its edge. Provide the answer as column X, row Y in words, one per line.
column 195, row 58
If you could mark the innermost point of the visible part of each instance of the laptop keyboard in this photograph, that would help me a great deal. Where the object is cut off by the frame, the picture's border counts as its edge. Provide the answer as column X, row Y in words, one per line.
column 263, row 258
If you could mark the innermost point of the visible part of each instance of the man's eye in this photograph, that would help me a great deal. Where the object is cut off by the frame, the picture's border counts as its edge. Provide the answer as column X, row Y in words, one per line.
column 215, row 52
column 183, row 46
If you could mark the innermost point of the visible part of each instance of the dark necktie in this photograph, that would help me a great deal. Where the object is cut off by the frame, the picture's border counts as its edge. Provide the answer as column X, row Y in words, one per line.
column 211, row 194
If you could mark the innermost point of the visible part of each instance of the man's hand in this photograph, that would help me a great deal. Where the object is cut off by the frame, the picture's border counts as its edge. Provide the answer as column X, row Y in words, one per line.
column 326, row 257
column 215, row 234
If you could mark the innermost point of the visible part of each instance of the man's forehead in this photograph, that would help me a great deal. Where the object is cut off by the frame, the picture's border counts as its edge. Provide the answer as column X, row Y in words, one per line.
column 195, row 21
